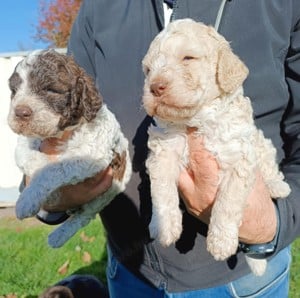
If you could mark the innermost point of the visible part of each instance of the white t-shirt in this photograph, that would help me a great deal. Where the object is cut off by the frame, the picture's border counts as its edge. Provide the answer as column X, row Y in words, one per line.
column 168, row 12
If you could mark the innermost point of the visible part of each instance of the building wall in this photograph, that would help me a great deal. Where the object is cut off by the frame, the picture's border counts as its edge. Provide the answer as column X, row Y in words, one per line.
column 10, row 175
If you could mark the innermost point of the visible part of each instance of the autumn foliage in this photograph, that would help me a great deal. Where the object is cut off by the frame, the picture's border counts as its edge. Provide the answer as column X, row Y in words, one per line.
column 55, row 21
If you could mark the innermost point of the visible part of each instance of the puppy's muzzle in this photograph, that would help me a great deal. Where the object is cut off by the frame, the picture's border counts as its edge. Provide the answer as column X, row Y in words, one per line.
column 23, row 113
column 158, row 88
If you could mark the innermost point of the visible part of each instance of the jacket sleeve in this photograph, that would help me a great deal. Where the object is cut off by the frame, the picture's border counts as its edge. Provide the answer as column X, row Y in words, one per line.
column 289, row 209
column 82, row 43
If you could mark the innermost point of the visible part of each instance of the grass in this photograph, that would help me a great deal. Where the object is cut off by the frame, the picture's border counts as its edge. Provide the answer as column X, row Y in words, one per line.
column 295, row 270
column 28, row 265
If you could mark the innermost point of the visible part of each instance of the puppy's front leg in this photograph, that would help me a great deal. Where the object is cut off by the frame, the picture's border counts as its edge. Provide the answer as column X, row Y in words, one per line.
column 81, row 217
column 166, row 222
column 50, row 178
column 164, row 165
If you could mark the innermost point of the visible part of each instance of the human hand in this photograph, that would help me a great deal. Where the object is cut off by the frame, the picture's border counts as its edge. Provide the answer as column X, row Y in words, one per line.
column 198, row 185
column 72, row 196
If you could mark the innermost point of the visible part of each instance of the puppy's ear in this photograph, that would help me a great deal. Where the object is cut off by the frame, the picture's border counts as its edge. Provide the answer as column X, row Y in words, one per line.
column 231, row 71
column 89, row 97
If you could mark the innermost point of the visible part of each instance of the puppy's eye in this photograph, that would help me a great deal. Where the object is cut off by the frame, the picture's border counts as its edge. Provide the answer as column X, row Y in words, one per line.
column 55, row 91
column 51, row 90
column 13, row 92
column 186, row 58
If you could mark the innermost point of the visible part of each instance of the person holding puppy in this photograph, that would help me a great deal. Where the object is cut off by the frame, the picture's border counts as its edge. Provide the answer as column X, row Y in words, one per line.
column 109, row 40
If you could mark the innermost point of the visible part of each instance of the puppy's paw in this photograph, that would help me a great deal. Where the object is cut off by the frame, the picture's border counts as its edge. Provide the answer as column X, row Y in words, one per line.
column 27, row 205
column 166, row 229
column 67, row 230
column 222, row 243
column 59, row 236
column 55, row 240
column 279, row 189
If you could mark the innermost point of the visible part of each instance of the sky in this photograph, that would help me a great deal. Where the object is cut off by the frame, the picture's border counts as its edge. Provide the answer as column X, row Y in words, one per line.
column 18, row 20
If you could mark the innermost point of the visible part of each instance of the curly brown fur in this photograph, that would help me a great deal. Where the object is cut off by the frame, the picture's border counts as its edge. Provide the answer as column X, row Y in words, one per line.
column 61, row 74
column 57, row 81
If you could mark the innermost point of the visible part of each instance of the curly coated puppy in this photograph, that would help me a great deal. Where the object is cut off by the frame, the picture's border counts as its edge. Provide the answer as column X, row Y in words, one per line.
column 193, row 79
column 52, row 97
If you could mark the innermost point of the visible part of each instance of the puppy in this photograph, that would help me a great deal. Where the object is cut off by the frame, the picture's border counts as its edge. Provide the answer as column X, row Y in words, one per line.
column 53, row 98
column 193, row 79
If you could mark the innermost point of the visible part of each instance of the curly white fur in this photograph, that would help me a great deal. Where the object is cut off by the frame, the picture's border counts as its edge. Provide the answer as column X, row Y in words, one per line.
column 91, row 148
column 193, row 79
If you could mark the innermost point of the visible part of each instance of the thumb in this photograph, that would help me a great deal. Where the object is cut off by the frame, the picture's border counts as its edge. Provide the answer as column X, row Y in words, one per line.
column 186, row 181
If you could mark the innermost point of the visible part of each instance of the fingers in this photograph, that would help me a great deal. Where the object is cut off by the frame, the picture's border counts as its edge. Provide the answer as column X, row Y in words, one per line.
column 186, row 181
column 104, row 177
column 199, row 182
column 102, row 181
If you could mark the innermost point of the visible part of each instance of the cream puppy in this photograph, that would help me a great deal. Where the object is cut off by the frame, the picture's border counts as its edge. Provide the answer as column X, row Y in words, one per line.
column 193, row 79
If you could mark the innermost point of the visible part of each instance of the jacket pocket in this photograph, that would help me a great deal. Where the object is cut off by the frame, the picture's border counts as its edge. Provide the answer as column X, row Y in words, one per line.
column 275, row 279
column 112, row 264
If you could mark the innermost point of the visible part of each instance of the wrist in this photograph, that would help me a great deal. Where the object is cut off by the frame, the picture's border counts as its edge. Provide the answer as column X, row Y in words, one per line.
column 259, row 219
column 52, row 218
column 262, row 250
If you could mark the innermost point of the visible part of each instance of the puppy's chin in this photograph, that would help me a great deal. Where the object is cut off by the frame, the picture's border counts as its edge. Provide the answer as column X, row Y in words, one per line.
column 168, row 112
column 33, row 130
column 174, row 114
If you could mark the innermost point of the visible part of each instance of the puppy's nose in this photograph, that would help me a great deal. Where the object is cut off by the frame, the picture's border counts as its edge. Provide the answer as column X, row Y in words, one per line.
column 158, row 88
column 23, row 112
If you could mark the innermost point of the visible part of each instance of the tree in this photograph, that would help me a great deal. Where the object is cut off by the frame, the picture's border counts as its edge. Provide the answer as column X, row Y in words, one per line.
column 55, row 21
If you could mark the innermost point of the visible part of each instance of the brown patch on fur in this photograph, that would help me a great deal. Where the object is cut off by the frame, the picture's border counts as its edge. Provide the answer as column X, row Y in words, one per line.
column 66, row 88
column 57, row 292
column 118, row 165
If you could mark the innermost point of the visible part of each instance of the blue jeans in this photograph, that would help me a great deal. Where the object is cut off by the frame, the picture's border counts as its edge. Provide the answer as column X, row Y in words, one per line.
column 274, row 283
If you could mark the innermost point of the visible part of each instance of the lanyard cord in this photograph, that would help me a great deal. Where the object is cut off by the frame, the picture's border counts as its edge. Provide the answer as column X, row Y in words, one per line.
column 219, row 15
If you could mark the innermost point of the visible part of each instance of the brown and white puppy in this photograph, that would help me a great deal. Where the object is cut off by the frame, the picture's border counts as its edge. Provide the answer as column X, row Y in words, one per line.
column 52, row 97
column 193, row 79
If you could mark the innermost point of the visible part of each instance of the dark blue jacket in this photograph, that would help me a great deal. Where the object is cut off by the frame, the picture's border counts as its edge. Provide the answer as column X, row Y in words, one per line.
column 110, row 38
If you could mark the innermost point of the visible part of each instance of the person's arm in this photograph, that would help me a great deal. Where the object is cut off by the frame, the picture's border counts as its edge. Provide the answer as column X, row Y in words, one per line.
column 260, row 220
column 81, row 44
column 289, row 209
column 198, row 187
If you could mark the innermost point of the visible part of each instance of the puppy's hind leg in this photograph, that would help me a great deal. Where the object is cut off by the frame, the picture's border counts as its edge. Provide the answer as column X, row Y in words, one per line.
column 67, row 229
column 50, row 178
